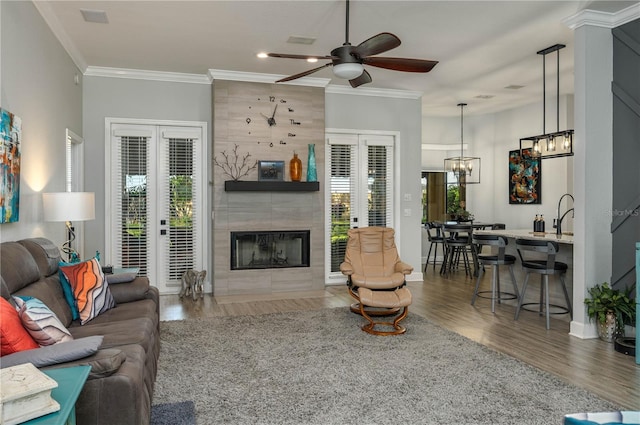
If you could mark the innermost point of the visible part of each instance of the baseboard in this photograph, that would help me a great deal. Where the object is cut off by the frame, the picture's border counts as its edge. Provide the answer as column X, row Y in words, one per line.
column 416, row 276
column 583, row 330
column 228, row 299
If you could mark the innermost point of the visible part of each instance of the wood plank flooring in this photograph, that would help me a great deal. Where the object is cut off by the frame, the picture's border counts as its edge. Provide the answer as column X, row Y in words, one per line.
column 591, row 364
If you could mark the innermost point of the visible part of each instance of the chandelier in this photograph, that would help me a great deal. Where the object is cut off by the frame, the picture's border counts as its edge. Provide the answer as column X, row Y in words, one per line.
column 558, row 143
column 465, row 168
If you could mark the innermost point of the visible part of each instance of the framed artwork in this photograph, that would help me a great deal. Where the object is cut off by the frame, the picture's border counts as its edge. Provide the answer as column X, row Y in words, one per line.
column 10, row 136
column 525, row 184
column 270, row 170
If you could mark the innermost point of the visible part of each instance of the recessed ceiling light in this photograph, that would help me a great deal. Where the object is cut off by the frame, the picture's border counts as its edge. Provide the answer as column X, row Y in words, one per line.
column 95, row 16
column 514, row 87
column 312, row 60
column 484, row 96
column 262, row 55
column 299, row 39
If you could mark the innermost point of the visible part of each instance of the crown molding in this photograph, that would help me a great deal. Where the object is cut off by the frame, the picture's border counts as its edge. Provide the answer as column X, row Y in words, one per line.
column 44, row 8
column 364, row 91
column 140, row 74
column 254, row 77
column 603, row 19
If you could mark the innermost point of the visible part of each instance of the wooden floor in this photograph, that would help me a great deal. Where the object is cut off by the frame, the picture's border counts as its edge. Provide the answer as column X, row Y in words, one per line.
column 591, row 364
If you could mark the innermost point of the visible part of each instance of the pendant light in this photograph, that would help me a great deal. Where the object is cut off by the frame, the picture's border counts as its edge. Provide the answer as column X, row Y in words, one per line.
column 558, row 143
column 465, row 168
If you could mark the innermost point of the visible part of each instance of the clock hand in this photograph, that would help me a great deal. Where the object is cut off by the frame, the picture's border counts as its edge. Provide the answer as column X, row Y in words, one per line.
column 272, row 121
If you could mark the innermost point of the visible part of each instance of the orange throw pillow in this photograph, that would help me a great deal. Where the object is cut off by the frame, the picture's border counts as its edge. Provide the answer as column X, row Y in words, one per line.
column 13, row 336
column 90, row 289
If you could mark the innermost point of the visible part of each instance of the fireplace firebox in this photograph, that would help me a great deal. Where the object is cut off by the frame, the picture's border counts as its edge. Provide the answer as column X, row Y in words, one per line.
column 269, row 249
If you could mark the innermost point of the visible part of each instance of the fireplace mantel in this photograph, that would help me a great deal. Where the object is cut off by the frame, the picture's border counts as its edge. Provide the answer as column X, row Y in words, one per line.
column 270, row 186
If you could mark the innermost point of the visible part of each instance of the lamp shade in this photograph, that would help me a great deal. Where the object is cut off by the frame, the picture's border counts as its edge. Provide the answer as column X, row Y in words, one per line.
column 69, row 206
column 348, row 71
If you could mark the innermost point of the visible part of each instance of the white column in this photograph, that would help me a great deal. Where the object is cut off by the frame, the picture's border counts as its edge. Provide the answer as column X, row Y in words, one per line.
column 593, row 164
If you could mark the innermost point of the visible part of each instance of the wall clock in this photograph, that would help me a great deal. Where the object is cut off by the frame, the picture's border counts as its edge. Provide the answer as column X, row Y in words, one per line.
column 272, row 119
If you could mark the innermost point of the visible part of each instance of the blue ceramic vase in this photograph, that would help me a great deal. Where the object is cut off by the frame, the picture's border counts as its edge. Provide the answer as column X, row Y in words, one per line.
column 312, row 172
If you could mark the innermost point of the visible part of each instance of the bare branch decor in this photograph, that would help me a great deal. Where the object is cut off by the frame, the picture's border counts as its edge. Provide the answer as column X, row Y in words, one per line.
column 234, row 165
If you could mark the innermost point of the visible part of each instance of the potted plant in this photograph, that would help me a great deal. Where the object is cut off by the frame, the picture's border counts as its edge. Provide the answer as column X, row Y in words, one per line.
column 611, row 309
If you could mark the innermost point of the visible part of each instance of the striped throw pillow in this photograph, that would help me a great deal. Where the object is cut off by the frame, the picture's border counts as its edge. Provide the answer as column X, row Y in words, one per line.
column 41, row 323
column 90, row 289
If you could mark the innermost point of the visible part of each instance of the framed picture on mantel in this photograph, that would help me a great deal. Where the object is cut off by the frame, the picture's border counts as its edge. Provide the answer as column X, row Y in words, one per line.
column 525, row 184
column 270, row 171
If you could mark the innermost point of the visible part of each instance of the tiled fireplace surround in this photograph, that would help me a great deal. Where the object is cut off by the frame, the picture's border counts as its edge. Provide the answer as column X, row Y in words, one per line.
column 262, row 211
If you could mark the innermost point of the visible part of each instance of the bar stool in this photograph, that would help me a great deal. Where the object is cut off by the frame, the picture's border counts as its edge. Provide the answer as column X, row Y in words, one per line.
column 544, row 268
column 495, row 261
column 458, row 245
column 434, row 240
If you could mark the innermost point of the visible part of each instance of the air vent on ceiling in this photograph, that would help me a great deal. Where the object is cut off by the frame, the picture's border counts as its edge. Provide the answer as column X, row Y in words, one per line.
column 298, row 39
column 95, row 16
column 514, row 87
column 484, row 96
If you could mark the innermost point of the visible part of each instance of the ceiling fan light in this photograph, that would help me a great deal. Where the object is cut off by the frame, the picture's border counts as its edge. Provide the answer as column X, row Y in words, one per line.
column 348, row 71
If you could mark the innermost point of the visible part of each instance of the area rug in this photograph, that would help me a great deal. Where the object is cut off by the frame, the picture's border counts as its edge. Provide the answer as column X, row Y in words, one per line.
column 318, row 367
column 182, row 413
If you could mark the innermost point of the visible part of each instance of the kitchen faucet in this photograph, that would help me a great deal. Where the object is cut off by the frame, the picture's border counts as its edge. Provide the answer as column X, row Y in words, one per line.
column 557, row 222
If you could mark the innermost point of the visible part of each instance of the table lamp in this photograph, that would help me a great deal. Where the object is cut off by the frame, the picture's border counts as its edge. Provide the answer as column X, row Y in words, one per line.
column 69, row 207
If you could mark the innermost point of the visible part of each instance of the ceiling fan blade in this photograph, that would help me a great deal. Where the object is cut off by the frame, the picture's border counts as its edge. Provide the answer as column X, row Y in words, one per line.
column 288, row 56
column 364, row 78
column 303, row 74
column 377, row 44
column 401, row 64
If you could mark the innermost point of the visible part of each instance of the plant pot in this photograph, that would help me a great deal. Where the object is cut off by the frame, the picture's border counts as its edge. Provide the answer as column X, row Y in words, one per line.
column 626, row 346
column 608, row 331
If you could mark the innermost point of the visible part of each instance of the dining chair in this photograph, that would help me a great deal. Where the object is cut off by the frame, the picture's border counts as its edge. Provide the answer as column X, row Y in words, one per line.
column 434, row 234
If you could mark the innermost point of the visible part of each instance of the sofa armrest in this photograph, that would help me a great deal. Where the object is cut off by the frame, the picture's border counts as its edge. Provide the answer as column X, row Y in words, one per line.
column 137, row 289
column 105, row 362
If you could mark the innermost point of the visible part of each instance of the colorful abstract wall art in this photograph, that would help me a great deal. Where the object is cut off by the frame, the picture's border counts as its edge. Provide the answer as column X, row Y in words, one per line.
column 525, row 185
column 10, row 136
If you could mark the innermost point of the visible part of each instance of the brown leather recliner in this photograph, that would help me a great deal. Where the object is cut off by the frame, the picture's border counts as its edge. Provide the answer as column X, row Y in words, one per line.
column 376, row 277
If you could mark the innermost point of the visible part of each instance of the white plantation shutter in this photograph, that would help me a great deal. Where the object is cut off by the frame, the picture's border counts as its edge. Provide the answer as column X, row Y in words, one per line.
column 344, row 199
column 380, row 181
column 130, row 199
column 180, row 192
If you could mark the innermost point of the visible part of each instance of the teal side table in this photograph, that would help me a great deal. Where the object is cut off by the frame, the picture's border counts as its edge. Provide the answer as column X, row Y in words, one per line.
column 70, row 382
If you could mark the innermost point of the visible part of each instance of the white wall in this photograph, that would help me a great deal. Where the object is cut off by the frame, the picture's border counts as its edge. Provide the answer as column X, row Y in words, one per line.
column 361, row 112
column 38, row 86
column 491, row 137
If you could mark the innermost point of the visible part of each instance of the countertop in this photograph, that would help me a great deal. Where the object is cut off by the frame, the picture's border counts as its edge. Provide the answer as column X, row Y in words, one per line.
column 528, row 234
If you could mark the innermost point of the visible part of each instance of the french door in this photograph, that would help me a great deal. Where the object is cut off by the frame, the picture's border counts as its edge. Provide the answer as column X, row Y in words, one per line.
column 360, row 172
column 155, row 206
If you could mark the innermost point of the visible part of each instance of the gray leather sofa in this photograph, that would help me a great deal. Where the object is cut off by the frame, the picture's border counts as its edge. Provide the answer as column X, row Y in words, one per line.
column 119, row 389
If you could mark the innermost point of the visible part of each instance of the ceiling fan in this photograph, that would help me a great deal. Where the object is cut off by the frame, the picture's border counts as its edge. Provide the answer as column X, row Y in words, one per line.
column 348, row 60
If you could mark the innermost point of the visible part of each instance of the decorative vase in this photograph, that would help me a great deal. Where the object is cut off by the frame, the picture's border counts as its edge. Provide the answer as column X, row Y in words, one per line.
column 295, row 168
column 608, row 331
column 312, row 173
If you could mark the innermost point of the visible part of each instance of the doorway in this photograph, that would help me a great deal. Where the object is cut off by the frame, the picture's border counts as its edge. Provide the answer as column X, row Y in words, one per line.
column 155, row 204
column 360, row 186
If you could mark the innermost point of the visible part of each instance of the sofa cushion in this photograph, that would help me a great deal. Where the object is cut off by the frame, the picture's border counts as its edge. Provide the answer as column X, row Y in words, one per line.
column 55, row 354
column 49, row 291
column 42, row 323
column 90, row 289
column 13, row 335
column 140, row 331
column 17, row 266
column 44, row 252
